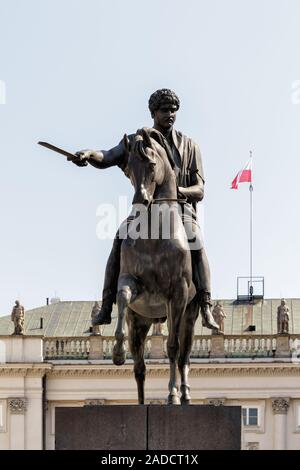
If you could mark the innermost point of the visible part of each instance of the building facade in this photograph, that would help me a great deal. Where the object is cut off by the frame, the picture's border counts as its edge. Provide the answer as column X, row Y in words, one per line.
column 58, row 361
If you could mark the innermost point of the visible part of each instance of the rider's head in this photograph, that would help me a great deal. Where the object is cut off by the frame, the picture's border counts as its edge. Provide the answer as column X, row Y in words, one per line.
column 163, row 105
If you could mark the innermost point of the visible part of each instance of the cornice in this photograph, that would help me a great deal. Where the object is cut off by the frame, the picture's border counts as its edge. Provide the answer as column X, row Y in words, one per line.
column 162, row 370
column 24, row 370
column 153, row 370
column 238, row 370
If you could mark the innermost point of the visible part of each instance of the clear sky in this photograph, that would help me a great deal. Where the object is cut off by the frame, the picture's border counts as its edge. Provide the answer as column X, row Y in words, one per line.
column 78, row 73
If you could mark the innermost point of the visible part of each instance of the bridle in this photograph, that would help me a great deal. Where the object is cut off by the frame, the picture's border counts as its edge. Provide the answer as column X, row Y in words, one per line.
column 166, row 199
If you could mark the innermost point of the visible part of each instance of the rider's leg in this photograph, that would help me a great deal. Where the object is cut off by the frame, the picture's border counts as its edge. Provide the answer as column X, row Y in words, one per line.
column 201, row 277
column 200, row 266
column 112, row 272
column 110, row 284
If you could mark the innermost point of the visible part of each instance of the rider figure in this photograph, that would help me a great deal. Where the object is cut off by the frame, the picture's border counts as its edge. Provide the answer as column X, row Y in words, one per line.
column 187, row 164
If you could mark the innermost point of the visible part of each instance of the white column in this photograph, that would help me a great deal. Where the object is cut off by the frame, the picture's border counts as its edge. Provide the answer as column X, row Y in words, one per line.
column 17, row 409
column 280, row 408
column 34, row 413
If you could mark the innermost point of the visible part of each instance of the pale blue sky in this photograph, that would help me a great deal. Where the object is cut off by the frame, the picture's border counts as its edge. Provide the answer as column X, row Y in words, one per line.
column 78, row 73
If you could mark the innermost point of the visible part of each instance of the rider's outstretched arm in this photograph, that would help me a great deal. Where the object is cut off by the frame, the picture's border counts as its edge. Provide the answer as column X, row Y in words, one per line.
column 101, row 158
column 106, row 158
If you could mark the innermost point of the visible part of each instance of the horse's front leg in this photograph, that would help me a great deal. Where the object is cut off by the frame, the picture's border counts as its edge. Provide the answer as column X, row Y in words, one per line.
column 186, row 340
column 176, row 309
column 127, row 292
column 138, row 328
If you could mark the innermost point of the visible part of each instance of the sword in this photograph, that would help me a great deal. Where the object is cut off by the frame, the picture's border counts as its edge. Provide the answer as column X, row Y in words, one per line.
column 70, row 156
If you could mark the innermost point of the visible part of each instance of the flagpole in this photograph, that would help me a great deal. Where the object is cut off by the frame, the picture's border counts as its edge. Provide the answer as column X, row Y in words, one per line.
column 243, row 176
column 251, row 234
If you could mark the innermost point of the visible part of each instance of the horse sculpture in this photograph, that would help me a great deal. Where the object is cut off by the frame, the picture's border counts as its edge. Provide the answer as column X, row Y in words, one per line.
column 155, row 281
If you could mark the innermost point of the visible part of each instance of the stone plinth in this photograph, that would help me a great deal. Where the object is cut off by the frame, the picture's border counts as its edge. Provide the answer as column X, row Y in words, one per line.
column 101, row 428
column 157, row 347
column 195, row 427
column 151, row 427
column 96, row 347
column 21, row 348
column 217, row 346
column 283, row 345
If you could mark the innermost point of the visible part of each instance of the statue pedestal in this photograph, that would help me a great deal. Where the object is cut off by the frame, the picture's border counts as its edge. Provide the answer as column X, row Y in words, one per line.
column 149, row 427
column 96, row 347
column 157, row 347
column 21, row 348
column 283, row 345
column 217, row 346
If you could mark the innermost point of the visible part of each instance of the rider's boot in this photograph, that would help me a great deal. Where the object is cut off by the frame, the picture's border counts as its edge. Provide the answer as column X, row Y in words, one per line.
column 205, row 306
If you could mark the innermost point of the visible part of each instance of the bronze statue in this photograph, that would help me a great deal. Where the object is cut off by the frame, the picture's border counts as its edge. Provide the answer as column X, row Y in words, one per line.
column 219, row 316
column 283, row 317
column 18, row 318
column 157, row 278
column 186, row 164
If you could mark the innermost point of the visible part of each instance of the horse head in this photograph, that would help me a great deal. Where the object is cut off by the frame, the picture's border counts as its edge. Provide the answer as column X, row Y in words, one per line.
column 145, row 166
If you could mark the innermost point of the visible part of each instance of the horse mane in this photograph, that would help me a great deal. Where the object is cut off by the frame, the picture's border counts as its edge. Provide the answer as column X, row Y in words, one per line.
column 147, row 134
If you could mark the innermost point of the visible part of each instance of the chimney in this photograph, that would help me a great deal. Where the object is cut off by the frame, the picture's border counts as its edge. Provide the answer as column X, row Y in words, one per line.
column 41, row 323
column 47, row 301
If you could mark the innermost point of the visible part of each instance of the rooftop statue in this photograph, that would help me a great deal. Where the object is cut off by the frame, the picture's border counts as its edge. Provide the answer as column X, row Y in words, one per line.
column 283, row 317
column 219, row 316
column 18, row 318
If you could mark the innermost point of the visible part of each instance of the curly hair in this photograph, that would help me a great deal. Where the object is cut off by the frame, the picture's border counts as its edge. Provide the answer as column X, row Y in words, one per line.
column 162, row 96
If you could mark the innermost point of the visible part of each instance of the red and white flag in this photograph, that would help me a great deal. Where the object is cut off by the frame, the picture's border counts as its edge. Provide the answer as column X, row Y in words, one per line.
column 243, row 176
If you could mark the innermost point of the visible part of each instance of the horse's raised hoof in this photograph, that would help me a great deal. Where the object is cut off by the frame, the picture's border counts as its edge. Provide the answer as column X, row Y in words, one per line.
column 173, row 400
column 103, row 317
column 119, row 355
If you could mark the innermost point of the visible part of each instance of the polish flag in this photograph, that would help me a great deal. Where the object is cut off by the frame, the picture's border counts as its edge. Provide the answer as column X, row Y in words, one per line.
column 243, row 176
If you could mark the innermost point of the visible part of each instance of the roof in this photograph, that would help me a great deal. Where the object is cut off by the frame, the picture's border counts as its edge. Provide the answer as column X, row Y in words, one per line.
column 72, row 319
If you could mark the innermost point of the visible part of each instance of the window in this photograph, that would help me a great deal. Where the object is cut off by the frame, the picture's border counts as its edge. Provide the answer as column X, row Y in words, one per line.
column 250, row 417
